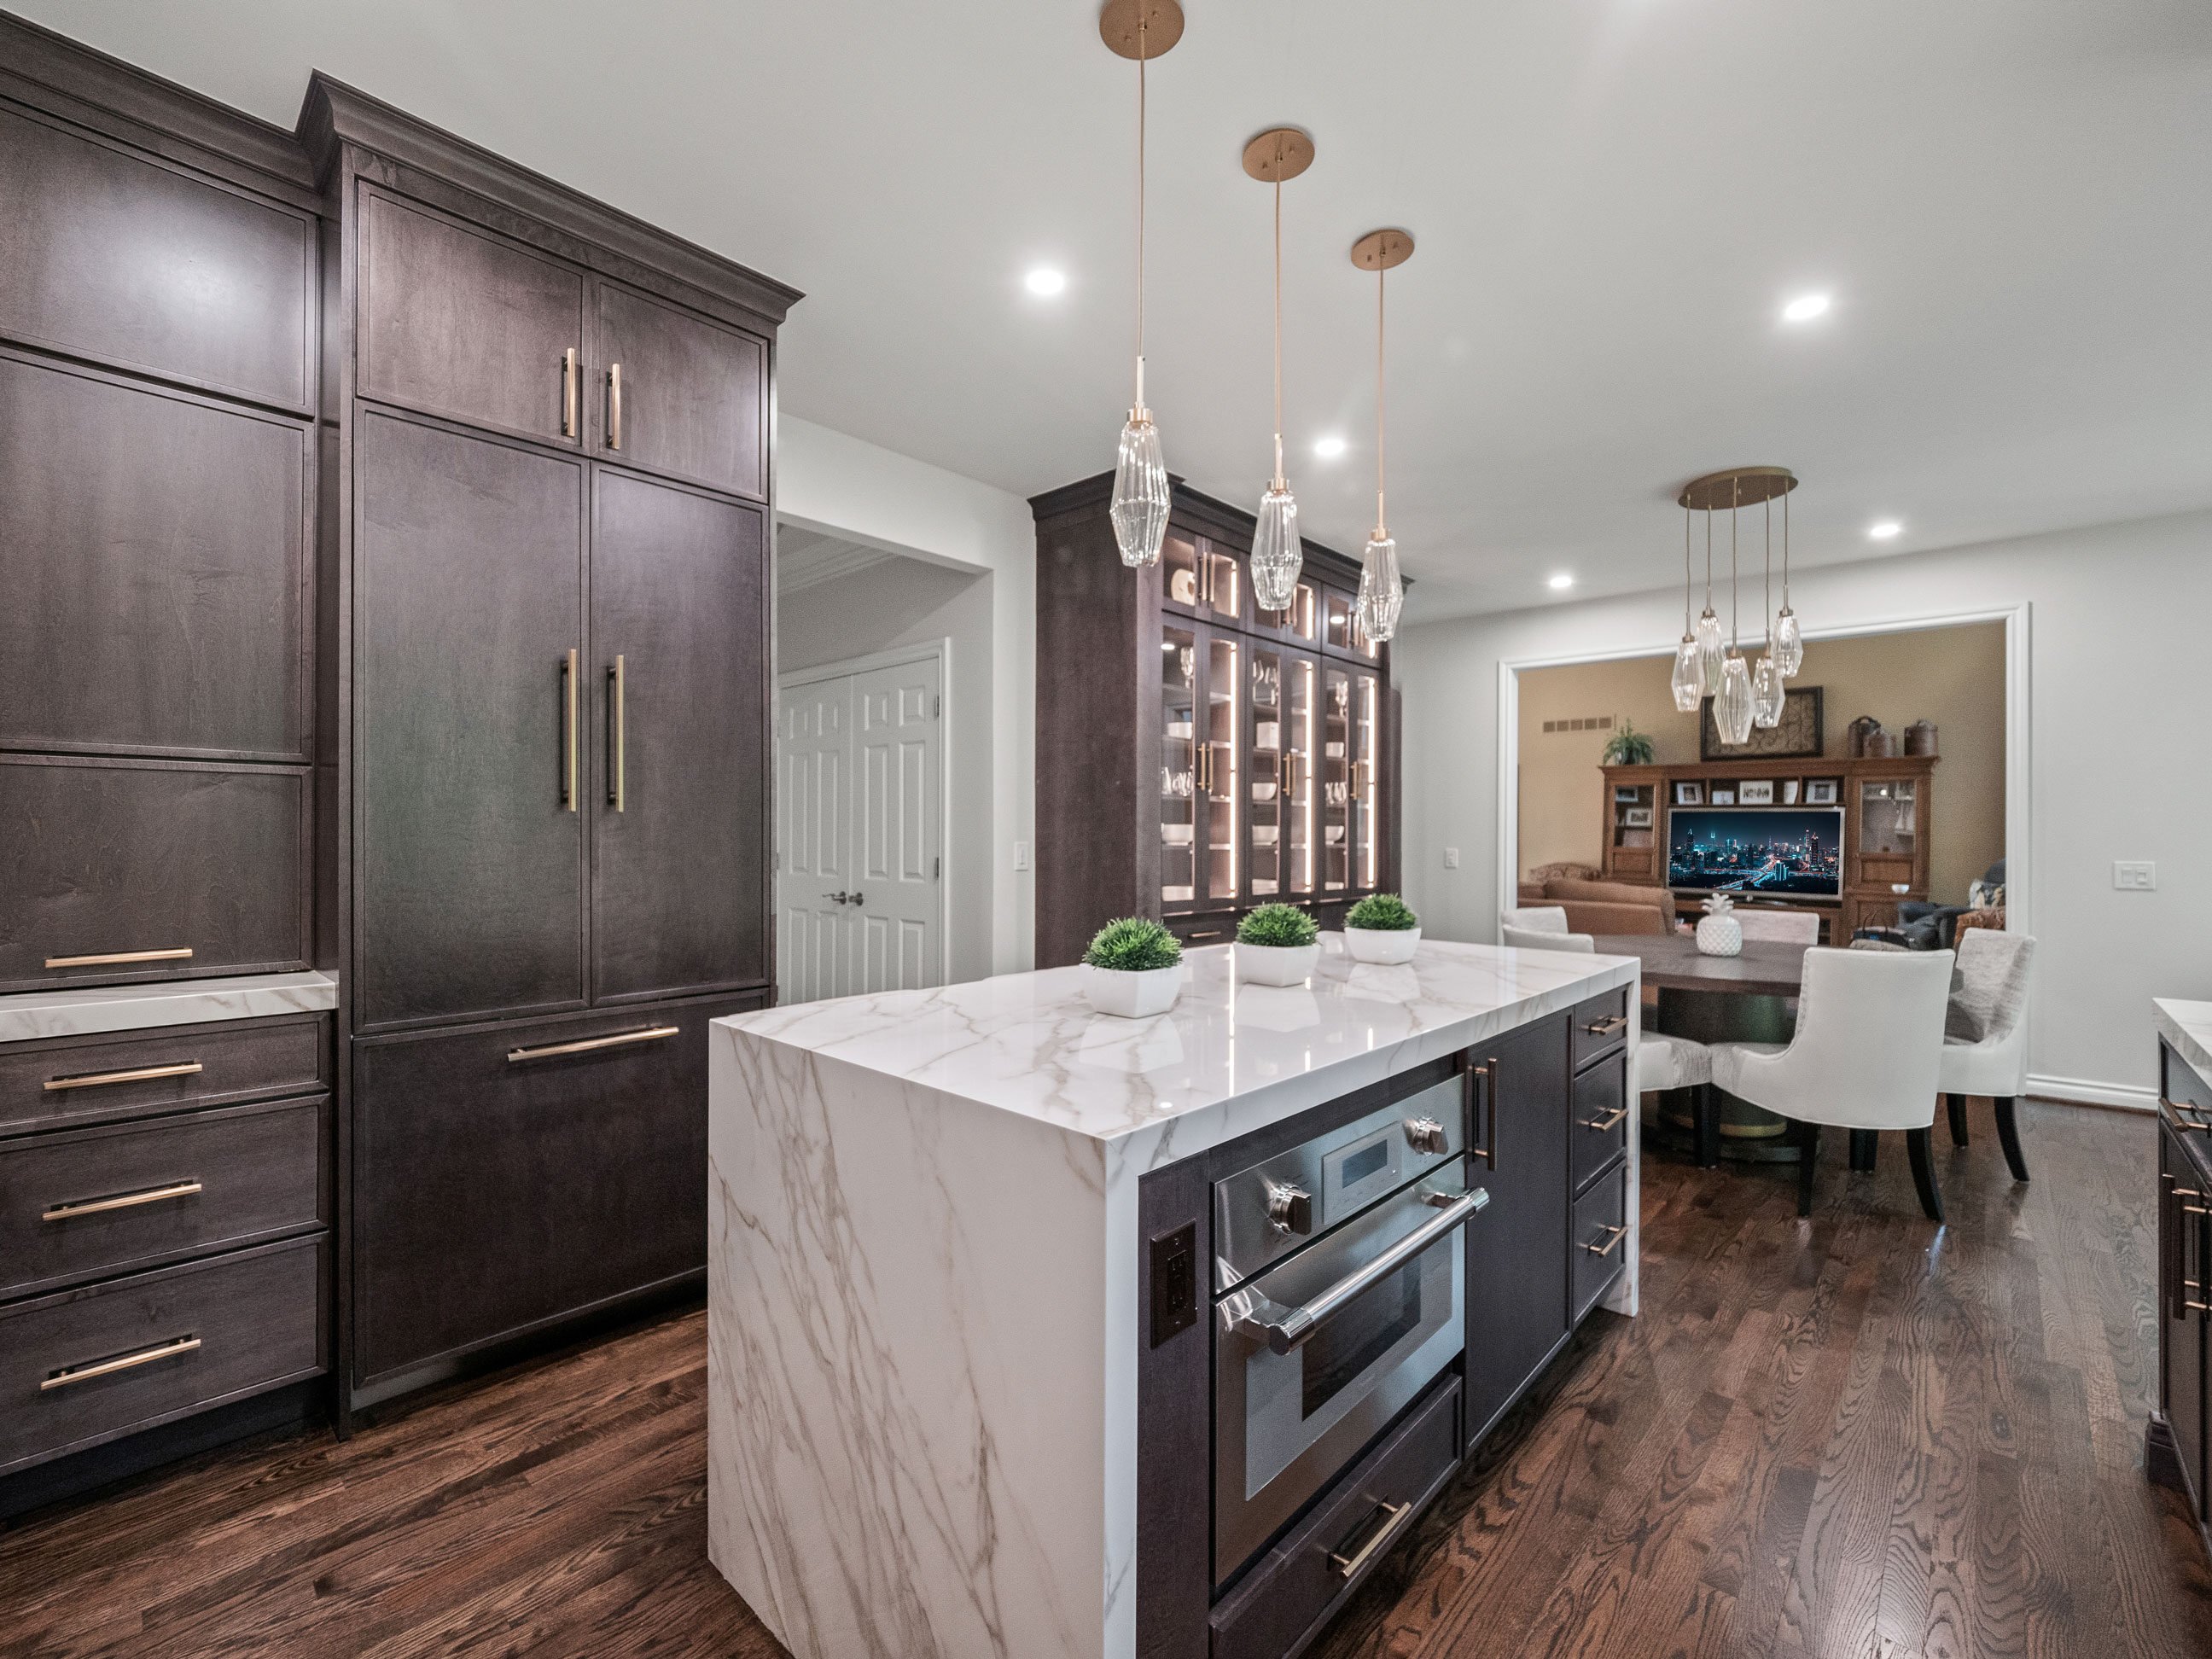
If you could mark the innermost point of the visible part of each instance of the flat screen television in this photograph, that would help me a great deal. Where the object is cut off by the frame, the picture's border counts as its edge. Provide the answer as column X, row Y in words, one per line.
column 1757, row 850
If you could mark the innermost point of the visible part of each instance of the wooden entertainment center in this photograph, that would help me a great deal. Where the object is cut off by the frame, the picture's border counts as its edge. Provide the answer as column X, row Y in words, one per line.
column 1887, row 810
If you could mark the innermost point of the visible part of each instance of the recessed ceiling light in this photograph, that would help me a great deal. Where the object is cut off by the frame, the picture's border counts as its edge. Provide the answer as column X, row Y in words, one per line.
column 1044, row 281
column 1330, row 447
column 1885, row 530
column 1805, row 307
column 1563, row 581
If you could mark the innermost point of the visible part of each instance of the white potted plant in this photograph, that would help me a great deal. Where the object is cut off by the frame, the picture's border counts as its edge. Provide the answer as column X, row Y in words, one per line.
column 1277, row 944
column 1382, row 927
column 1719, row 933
column 1132, row 970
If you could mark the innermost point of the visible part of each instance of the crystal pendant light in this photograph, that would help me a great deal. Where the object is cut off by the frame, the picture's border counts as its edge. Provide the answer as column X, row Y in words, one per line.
column 1382, row 593
column 1731, row 702
column 1689, row 683
column 1142, row 29
column 1789, row 647
column 1766, row 693
column 1278, row 154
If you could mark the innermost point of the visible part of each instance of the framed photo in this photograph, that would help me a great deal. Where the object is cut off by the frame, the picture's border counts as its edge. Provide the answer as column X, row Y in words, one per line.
column 1625, row 794
column 1759, row 794
column 1724, row 794
column 1689, row 794
column 1819, row 792
column 1796, row 737
column 1636, row 818
column 1788, row 791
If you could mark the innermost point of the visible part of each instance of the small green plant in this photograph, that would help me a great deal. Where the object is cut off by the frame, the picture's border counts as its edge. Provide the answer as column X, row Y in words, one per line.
column 1629, row 747
column 1382, row 913
column 1133, row 945
column 1278, row 925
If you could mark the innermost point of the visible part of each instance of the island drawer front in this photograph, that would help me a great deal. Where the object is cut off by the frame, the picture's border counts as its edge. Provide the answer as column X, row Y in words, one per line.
column 93, row 1201
column 1599, row 1239
column 2183, row 1086
column 1601, row 1109
column 1600, row 1025
column 1304, row 1578
column 174, row 1342
column 137, row 1073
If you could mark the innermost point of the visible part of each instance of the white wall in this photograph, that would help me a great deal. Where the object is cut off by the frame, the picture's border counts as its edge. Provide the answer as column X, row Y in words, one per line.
column 903, row 602
column 2119, row 681
column 828, row 481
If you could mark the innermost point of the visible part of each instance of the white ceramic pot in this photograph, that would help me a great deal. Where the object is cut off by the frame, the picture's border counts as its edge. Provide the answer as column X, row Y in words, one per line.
column 1720, row 936
column 1391, row 945
column 1276, row 964
column 1132, row 996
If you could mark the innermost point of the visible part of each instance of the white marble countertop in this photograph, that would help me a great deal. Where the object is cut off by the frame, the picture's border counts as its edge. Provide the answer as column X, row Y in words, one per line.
column 33, row 1014
column 1030, row 1044
column 2188, row 1027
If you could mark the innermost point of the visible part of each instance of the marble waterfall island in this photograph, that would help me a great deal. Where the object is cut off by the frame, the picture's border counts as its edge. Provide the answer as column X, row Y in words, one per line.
column 925, row 1265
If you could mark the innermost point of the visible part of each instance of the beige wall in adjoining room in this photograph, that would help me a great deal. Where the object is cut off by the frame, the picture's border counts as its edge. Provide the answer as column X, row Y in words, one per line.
column 1955, row 676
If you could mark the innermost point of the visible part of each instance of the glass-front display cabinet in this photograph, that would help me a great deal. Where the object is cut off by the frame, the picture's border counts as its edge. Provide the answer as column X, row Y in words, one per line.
column 1202, row 579
column 1202, row 766
column 1351, row 727
column 1286, row 701
column 1888, row 828
column 1340, row 628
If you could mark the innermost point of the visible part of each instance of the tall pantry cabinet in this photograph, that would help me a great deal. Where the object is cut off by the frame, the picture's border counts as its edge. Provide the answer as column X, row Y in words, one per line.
column 546, row 518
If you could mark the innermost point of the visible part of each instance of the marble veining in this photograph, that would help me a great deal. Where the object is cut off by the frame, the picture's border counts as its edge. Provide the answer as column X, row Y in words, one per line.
column 29, row 1015
column 2188, row 1027
column 922, row 1296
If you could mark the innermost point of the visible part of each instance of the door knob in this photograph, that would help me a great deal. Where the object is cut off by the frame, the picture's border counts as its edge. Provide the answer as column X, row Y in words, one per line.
column 854, row 897
column 836, row 898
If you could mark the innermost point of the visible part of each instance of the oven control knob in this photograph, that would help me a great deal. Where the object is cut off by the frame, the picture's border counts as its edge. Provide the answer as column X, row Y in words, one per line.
column 1291, row 1208
column 1426, row 1134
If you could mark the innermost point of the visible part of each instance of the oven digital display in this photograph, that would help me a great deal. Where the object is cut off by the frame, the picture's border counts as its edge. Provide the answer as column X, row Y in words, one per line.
column 1375, row 1156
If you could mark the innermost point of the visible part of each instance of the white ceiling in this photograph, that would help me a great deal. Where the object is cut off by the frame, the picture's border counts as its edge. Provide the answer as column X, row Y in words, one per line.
column 2009, row 200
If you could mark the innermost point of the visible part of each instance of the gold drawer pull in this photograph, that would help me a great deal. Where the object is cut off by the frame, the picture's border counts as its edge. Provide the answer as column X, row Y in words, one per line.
column 69, row 1374
column 1348, row 1565
column 114, row 958
column 1608, row 1025
column 652, row 1035
column 142, row 1074
column 121, row 1202
column 1609, row 1122
column 1611, row 1244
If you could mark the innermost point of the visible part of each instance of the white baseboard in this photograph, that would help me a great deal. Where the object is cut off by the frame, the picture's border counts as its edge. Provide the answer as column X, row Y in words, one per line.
column 2089, row 1093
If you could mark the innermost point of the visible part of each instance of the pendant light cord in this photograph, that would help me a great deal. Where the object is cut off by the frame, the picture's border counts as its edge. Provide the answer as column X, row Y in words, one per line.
column 1278, row 483
column 1770, row 576
column 1709, row 561
column 1381, row 521
column 1686, row 573
column 1138, row 410
column 1785, row 549
column 1733, row 606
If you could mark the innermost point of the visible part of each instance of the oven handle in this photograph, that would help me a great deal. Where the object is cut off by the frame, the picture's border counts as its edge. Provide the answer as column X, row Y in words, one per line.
column 1293, row 1325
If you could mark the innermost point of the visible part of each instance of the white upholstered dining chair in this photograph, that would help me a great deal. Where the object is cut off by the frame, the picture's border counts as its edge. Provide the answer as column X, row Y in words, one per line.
column 1985, row 1036
column 1541, row 927
column 1783, row 927
column 1866, row 1055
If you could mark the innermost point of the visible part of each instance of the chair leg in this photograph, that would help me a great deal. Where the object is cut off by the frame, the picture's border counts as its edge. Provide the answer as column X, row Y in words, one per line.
column 1958, row 1105
column 1864, row 1144
column 1924, row 1172
column 1707, row 1118
column 2008, row 1137
column 1811, row 1151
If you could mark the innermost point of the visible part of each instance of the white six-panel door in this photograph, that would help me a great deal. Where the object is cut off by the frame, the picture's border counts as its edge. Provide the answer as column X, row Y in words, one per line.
column 860, row 883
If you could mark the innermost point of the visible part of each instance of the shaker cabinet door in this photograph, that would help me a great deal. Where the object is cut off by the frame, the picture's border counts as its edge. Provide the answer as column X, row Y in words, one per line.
column 680, row 829
column 468, row 747
column 153, row 570
column 677, row 394
column 461, row 323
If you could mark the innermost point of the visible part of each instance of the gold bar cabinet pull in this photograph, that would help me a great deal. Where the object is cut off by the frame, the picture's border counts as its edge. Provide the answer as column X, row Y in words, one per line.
column 569, row 731
column 115, row 958
column 1608, row 1025
column 69, row 1374
column 1609, row 1122
column 121, row 1202
column 614, row 406
column 568, row 392
column 138, row 1074
column 614, row 735
column 1611, row 1244
column 620, row 1039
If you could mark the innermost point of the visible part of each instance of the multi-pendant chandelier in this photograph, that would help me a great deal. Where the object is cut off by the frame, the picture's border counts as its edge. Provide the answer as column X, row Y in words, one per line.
column 1708, row 664
column 1278, row 154
column 1142, row 29
column 1382, row 593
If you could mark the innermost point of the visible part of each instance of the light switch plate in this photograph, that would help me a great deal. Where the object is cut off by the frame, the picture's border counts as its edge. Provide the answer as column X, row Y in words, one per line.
column 1021, row 856
column 1451, row 858
column 2135, row 875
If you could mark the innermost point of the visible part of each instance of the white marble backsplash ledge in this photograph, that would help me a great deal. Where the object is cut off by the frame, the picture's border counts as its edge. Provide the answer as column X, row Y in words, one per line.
column 31, row 1015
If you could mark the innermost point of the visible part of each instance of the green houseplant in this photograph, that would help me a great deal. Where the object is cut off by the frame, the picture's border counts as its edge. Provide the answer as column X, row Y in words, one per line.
column 1382, row 927
column 1134, row 968
column 1277, row 944
column 1629, row 747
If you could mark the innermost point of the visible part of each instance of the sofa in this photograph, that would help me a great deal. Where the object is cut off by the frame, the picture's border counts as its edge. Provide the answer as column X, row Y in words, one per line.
column 1605, row 907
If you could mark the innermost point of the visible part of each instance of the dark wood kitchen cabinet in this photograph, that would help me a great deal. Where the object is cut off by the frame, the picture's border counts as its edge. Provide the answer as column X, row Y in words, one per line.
column 468, row 702
column 2178, row 1443
column 693, row 394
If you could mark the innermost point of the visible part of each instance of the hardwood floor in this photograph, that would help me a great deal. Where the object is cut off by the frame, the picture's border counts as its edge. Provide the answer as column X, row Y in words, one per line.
column 1848, row 1437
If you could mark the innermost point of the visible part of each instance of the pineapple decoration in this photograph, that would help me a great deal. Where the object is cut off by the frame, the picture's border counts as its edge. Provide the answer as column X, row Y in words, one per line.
column 1719, row 933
